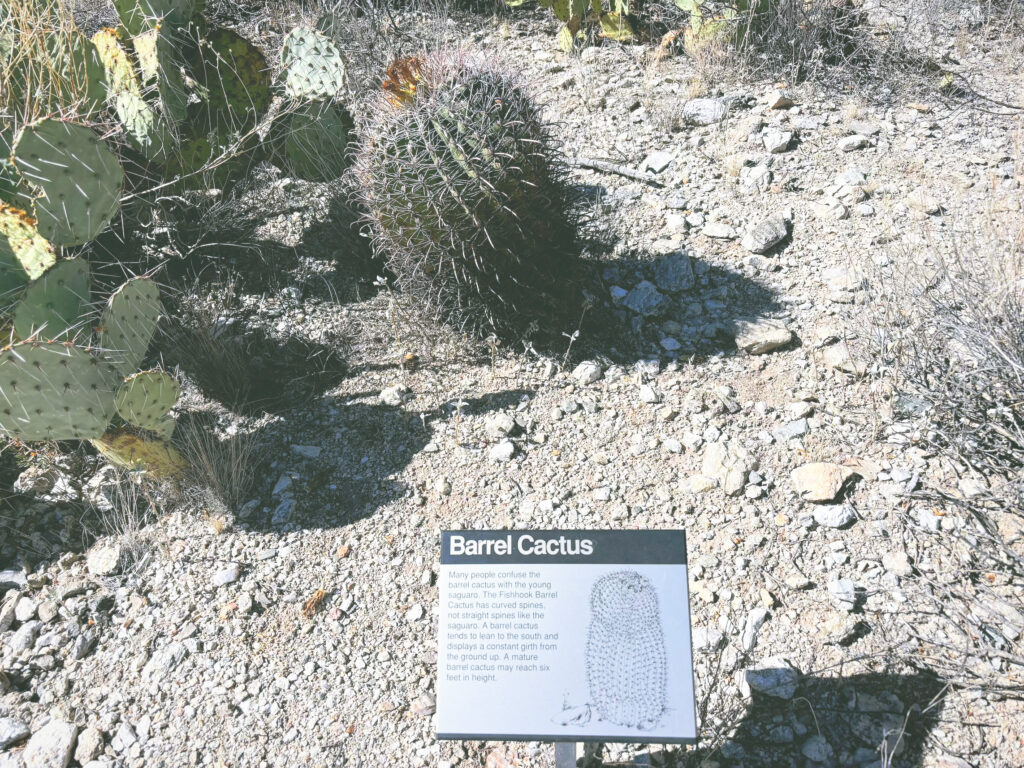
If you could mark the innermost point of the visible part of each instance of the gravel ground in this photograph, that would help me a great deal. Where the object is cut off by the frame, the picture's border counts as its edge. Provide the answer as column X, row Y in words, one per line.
column 737, row 403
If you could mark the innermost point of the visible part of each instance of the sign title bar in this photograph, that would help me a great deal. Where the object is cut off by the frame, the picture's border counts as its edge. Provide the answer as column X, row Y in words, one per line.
column 596, row 547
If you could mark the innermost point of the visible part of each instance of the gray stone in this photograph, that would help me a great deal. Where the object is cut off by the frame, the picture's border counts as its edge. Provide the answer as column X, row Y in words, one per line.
column 817, row 749
column 503, row 451
column 835, row 516
column 51, row 746
column 283, row 511
column 648, row 395
column 759, row 337
column 776, row 141
column 719, row 230
column 645, row 299
column 897, row 563
column 792, row 430
column 920, row 200
column 90, row 745
column 104, row 560
column 674, row 272
column 587, row 372
column 7, row 614
column 124, row 737
column 820, row 481
column 779, row 99
column 707, row 639
column 25, row 609
column 843, row 593
column 231, row 573
column 657, row 161
column 12, row 730
column 765, row 235
column 84, row 644
column 283, row 484
column 394, row 395
column 774, row 676
column 163, row 661
column 751, row 626
column 852, row 143
column 25, row 637
column 705, row 111
column 500, row 425
column 307, row 451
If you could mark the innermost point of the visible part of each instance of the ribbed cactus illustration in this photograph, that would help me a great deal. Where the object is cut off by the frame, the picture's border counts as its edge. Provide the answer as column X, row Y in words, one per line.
column 464, row 193
column 626, row 662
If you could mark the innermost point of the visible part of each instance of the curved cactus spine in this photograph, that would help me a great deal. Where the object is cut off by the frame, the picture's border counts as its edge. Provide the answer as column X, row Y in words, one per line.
column 626, row 662
column 54, row 391
column 466, row 198
column 24, row 254
column 79, row 177
column 54, row 305
column 312, row 63
column 128, row 323
column 145, row 398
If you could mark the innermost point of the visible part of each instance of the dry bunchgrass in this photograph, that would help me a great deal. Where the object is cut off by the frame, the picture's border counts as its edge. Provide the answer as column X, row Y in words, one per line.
column 227, row 466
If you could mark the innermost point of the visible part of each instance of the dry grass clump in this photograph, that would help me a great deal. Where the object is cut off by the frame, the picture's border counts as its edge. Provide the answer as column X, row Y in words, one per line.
column 228, row 466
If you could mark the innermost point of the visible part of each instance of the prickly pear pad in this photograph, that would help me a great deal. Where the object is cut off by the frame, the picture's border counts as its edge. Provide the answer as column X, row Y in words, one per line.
column 24, row 254
column 127, row 449
column 145, row 398
column 54, row 391
column 236, row 79
column 54, row 305
column 128, row 323
column 316, row 142
column 80, row 179
column 313, row 67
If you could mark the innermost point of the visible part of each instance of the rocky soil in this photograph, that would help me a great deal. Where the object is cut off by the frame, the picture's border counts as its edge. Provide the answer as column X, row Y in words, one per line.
column 299, row 628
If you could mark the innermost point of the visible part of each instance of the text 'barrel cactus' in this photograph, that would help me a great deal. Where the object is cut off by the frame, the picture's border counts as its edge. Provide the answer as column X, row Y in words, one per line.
column 626, row 660
column 464, row 193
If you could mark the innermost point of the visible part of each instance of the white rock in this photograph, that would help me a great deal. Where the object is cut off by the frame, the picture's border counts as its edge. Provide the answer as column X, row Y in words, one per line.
column 503, row 451
column 51, row 746
column 765, row 235
column 104, row 561
column 587, row 372
column 394, row 395
column 820, row 481
column 648, row 395
column 761, row 336
column 227, row 575
column 12, row 730
column 852, row 143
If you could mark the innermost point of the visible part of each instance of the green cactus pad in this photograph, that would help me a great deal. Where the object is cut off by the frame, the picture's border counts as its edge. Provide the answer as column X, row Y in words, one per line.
column 170, row 82
column 79, row 177
column 315, row 142
column 85, row 73
column 236, row 79
column 53, row 391
column 24, row 254
column 313, row 67
column 145, row 398
column 128, row 323
column 140, row 15
column 126, row 449
column 118, row 70
column 54, row 304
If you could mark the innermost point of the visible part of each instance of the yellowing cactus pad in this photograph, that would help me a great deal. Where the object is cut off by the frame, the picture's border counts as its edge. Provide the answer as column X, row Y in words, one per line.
column 126, row 449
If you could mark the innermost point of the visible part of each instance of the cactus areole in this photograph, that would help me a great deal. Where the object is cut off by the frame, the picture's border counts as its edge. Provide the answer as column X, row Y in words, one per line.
column 565, row 636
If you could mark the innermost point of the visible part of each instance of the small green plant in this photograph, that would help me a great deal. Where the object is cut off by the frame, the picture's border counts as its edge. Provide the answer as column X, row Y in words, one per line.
column 714, row 23
column 578, row 16
column 465, row 194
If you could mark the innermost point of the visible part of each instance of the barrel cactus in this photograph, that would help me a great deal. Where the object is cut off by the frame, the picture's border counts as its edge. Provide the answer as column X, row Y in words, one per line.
column 464, row 191
column 626, row 662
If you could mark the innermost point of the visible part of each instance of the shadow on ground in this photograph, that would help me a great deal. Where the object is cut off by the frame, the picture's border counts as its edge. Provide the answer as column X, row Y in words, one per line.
column 868, row 721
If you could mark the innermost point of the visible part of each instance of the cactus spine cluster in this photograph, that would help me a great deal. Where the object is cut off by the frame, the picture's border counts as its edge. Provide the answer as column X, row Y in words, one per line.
column 464, row 193
column 626, row 662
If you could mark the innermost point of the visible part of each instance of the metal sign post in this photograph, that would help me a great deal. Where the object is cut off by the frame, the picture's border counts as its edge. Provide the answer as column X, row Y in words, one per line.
column 565, row 754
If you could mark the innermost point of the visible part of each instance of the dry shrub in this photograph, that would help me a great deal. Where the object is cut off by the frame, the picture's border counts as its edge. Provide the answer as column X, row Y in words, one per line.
column 227, row 466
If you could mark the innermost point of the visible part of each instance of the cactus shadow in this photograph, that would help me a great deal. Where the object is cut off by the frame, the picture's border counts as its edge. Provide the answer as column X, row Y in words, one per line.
column 626, row 321
column 867, row 720
column 354, row 475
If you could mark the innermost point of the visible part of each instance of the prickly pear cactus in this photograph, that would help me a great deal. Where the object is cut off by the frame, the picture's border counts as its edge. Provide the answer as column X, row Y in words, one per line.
column 80, row 179
column 136, row 451
column 466, row 197
column 312, row 64
column 54, row 391
column 313, row 141
column 128, row 323
column 24, row 254
column 236, row 80
column 55, row 304
column 626, row 662
column 145, row 398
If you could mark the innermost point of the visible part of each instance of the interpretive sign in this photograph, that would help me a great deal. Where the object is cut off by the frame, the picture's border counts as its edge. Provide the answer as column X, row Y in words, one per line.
column 565, row 636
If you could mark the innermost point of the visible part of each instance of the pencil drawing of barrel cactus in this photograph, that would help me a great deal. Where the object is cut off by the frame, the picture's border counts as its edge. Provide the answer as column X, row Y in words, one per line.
column 626, row 662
